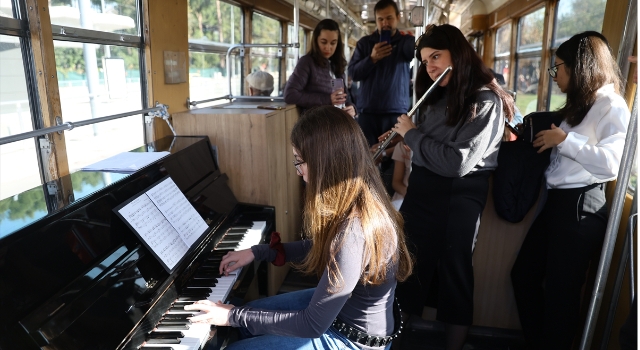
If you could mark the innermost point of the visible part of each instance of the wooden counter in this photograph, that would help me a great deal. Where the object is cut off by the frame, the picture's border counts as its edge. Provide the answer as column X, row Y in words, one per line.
column 255, row 152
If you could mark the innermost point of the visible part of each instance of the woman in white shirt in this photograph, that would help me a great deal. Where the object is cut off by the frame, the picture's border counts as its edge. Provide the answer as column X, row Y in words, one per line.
column 586, row 151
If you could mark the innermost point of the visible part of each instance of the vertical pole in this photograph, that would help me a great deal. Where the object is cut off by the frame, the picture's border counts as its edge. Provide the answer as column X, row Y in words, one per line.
column 626, row 163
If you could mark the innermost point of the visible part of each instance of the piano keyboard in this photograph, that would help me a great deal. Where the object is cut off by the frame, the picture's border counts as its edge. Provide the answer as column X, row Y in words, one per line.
column 175, row 332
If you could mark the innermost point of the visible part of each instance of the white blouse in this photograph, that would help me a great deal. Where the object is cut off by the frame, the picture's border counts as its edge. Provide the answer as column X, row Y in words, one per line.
column 592, row 150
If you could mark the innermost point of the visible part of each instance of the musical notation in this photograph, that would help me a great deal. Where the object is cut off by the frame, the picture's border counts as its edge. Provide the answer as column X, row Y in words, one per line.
column 165, row 220
column 177, row 209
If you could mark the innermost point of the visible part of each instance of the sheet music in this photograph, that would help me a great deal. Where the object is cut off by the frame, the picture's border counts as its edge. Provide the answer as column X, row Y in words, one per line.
column 143, row 215
column 177, row 209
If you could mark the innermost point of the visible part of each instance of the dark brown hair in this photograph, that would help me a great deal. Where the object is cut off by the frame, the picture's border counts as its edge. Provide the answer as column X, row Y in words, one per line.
column 468, row 75
column 338, row 61
column 590, row 64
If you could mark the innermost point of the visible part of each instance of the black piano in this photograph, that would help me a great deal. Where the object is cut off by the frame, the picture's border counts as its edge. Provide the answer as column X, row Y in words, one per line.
column 76, row 277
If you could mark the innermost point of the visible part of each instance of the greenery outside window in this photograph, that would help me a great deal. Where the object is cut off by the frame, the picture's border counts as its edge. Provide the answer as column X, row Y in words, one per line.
column 213, row 28
column 503, row 51
column 266, row 30
column 528, row 59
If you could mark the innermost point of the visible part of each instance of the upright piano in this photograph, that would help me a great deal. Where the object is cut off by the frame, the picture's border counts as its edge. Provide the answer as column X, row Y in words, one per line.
column 79, row 278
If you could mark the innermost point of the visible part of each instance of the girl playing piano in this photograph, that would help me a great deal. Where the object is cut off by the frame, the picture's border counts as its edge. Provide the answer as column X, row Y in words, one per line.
column 355, row 244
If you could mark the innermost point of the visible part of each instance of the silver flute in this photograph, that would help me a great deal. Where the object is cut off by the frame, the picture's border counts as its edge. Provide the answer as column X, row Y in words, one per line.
column 393, row 134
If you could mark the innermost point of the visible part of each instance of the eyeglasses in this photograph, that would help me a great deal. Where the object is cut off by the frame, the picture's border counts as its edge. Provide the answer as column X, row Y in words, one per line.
column 553, row 71
column 297, row 165
column 427, row 31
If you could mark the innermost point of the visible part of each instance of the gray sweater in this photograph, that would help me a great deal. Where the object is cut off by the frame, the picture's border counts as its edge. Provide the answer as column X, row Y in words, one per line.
column 368, row 308
column 455, row 151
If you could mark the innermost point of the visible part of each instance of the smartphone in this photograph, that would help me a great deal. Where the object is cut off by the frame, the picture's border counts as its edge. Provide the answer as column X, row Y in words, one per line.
column 338, row 84
column 385, row 35
column 517, row 124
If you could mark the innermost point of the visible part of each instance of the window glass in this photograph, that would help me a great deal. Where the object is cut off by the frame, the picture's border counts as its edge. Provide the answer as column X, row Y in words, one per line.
column 18, row 160
column 266, row 31
column 530, row 28
column 214, row 23
column 208, row 76
column 115, row 16
column 302, row 50
column 528, row 70
column 97, row 81
column 6, row 8
column 503, row 40
column 575, row 16
column 501, row 66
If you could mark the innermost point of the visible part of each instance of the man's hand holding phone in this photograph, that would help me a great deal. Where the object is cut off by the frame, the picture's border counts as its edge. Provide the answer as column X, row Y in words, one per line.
column 380, row 51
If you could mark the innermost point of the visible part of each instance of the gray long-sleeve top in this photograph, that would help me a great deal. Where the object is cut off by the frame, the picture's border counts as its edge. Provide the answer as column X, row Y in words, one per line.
column 455, row 151
column 368, row 308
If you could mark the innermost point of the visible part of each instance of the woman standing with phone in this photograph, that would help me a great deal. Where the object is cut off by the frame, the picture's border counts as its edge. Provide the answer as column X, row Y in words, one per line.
column 454, row 151
column 586, row 151
column 319, row 78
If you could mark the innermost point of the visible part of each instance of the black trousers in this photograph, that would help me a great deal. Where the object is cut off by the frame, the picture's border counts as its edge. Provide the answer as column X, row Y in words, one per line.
column 442, row 216
column 376, row 124
column 552, row 263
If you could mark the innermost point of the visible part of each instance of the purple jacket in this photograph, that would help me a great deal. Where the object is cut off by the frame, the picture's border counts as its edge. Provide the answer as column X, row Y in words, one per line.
column 310, row 85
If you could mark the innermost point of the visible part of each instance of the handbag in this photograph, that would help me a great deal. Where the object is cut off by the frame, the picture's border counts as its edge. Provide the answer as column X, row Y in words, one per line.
column 520, row 172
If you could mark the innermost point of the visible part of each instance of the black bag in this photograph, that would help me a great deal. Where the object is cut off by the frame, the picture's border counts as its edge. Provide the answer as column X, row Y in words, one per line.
column 520, row 172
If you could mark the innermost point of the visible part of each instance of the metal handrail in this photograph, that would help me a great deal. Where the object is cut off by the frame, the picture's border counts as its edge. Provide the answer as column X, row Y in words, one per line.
column 231, row 98
column 71, row 125
column 622, row 265
column 626, row 164
column 236, row 46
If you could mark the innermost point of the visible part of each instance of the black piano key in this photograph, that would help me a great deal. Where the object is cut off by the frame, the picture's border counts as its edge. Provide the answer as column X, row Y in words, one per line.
column 226, row 245
column 238, row 230
column 156, row 348
column 189, row 298
column 209, row 265
column 177, row 307
column 203, row 282
column 174, row 317
column 233, row 239
column 191, row 291
column 172, row 327
column 164, row 321
column 163, row 341
column 165, row 335
column 235, row 234
column 206, row 275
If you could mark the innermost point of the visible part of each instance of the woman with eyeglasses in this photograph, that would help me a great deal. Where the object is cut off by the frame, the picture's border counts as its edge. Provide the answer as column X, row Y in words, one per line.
column 586, row 147
column 310, row 84
column 454, row 149
column 355, row 244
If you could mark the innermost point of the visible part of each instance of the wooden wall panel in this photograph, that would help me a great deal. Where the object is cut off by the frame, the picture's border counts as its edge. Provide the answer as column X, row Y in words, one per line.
column 168, row 31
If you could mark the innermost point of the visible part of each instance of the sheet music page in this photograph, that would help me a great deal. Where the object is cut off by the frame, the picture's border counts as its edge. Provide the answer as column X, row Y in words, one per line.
column 177, row 209
column 143, row 215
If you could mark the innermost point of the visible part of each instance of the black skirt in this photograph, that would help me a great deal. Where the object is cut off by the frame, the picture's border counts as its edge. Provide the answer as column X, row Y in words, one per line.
column 442, row 217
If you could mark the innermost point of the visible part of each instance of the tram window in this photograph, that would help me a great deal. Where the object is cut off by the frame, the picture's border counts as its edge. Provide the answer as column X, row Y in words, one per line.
column 266, row 30
column 301, row 51
column 573, row 17
column 502, row 51
column 6, row 9
column 529, row 52
column 208, row 76
column 114, row 16
column 18, row 160
column 97, row 81
column 213, row 24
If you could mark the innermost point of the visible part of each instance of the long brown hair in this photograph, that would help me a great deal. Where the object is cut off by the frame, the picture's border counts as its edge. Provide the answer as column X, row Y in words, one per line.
column 342, row 184
column 588, row 60
column 338, row 61
column 469, row 74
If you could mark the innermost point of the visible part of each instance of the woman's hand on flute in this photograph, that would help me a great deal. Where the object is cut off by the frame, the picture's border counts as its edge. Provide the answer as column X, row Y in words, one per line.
column 403, row 125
